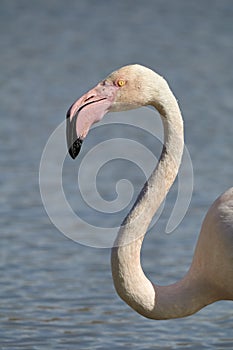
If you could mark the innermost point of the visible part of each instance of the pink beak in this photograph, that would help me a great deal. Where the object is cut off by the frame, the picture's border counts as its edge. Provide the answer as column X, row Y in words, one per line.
column 87, row 110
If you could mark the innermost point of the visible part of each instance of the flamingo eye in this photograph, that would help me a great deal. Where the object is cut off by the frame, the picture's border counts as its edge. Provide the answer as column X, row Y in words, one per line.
column 121, row 82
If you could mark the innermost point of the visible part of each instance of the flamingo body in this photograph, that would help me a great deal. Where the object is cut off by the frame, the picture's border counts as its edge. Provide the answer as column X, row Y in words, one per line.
column 210, row 276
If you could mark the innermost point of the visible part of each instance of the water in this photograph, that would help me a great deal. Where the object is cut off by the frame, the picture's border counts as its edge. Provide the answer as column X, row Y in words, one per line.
column 56, row 294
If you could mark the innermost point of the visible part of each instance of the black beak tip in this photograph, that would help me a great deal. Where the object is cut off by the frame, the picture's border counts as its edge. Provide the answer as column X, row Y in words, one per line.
column 75, row 148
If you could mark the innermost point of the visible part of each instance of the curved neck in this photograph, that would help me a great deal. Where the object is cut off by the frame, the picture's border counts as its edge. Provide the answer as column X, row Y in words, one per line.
column 130, row 281
column 157, row 186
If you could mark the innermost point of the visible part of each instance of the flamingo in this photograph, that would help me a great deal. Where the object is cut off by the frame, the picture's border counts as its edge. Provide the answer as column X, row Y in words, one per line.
column 210, row 276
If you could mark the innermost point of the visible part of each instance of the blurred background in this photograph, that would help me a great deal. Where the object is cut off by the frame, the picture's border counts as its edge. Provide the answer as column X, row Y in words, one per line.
column 57, row 294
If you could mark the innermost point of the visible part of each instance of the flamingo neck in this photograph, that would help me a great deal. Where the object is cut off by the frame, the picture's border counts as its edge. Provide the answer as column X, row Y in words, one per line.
column 177, row 300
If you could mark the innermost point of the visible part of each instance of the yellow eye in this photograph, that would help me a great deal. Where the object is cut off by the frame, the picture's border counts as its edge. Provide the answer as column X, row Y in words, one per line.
column 121, row 82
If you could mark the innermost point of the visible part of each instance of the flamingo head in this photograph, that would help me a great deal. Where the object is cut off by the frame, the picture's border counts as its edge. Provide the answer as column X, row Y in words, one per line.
column 127, row 88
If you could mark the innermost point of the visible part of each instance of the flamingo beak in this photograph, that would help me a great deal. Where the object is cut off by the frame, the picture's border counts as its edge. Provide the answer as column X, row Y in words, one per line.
column 87, row 110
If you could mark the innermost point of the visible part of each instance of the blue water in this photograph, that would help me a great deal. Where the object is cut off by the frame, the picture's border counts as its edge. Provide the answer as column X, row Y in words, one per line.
column 58, row 294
